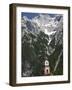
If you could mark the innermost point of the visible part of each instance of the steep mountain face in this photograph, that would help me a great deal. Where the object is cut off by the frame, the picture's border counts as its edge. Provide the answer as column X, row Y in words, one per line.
column 49, row 25
column 37, row 30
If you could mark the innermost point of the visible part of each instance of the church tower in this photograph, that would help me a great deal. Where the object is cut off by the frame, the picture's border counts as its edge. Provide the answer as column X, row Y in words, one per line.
column 46, row 68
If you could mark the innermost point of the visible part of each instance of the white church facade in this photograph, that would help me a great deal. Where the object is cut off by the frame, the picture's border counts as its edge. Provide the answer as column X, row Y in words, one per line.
column 46, row 68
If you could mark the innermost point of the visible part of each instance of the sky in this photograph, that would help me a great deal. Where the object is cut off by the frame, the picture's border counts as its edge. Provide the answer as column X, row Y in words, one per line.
column 32, row 15
column 29, row 15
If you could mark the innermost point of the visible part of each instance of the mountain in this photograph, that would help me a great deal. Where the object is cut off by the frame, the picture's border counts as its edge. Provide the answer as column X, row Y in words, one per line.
column 49, row 25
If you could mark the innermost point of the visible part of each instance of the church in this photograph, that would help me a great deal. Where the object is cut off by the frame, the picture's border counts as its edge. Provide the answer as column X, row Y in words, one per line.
column 46, row 68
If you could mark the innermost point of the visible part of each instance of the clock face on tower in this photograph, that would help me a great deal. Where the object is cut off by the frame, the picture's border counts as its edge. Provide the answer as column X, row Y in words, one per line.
column 46, row 63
